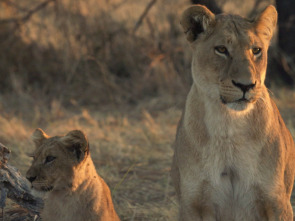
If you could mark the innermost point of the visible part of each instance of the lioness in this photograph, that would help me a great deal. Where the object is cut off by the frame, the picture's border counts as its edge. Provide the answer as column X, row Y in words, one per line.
column 234, row 156
column 62, row 167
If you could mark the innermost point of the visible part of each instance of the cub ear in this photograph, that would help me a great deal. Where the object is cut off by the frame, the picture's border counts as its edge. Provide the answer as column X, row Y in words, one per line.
column 76, row 142
column 266, row 21
column 39, row 136
column 195, row 20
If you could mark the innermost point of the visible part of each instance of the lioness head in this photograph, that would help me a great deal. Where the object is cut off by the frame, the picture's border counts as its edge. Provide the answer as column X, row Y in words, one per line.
column 55, row 159
column 229, row 54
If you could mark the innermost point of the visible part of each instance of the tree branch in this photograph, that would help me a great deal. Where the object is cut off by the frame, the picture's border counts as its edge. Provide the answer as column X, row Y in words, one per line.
column 145, row 12
column 28, row 15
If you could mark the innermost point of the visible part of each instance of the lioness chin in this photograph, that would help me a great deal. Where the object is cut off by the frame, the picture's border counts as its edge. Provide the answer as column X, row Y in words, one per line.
column 63, row 169
column 234, row 156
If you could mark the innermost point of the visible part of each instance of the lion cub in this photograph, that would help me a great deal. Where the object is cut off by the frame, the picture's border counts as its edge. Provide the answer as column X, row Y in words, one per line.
column 234, row 158
column 62, row 167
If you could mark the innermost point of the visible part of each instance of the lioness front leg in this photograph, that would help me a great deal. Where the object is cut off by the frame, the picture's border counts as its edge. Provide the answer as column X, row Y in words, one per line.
column 195, row 211
column 280, row 211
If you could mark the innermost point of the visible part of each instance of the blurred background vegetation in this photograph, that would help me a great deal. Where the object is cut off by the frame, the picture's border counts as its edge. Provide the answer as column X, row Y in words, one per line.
column 91, row 52
column 111, row 52
column 120, row 71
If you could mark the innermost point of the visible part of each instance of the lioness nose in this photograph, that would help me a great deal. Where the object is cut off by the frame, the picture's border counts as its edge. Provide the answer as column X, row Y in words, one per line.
column 244, row 87
column 31, row 179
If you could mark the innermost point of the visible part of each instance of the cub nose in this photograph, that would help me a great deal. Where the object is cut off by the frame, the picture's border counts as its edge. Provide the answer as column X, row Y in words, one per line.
column 244, row 87
column 31, row 179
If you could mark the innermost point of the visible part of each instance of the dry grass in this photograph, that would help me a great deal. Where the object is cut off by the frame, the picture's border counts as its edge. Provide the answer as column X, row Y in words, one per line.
column 132, row 152
column 79, row 65
column 74, row 49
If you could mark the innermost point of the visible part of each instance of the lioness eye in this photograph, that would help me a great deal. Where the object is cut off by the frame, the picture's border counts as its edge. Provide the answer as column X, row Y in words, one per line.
column 49, row 159
column 256, row 51
column 221, row 49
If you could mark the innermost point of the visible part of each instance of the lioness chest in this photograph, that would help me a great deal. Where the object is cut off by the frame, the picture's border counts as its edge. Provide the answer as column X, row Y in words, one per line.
column 227, row 173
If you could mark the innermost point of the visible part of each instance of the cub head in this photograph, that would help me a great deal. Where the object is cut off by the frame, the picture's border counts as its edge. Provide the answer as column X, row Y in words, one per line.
column 229, row 54
column 55, row 159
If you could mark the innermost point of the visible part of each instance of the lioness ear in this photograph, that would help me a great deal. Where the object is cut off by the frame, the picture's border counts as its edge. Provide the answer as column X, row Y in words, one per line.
column 76, row 142
column 39, row 136
column 195, row 20
column 266, row 21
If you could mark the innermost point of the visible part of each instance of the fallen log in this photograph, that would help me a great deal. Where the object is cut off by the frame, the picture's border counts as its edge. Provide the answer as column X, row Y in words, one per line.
column 15, row 187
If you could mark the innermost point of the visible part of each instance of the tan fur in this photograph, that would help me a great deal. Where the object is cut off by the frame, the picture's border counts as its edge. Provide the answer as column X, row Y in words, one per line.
column 74, row 190
column 234, row 159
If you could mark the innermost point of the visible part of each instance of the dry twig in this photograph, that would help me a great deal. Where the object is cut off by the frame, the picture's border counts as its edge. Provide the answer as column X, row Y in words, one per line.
column 143, row 15
column 14, row 5
column 28, row 15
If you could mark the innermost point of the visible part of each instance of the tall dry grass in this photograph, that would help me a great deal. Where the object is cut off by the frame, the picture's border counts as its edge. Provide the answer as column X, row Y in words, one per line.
column 87, row 53
column 80, row 65
column 132, row 152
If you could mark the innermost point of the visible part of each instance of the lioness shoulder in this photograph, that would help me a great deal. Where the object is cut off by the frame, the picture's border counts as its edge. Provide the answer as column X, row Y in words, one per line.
column 234, row 156
column 63, row 169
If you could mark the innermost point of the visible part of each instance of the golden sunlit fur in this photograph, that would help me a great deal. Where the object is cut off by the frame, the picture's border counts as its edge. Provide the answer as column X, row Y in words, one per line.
column 234, row 156
column 62, row 167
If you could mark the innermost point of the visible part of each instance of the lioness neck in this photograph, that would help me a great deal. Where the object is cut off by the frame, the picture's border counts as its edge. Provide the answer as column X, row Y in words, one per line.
column 216, row 120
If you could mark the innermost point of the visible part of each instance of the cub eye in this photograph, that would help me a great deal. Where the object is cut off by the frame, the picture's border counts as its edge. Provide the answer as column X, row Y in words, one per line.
column 221, row 50
column 49, row 159
column 256, row 51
